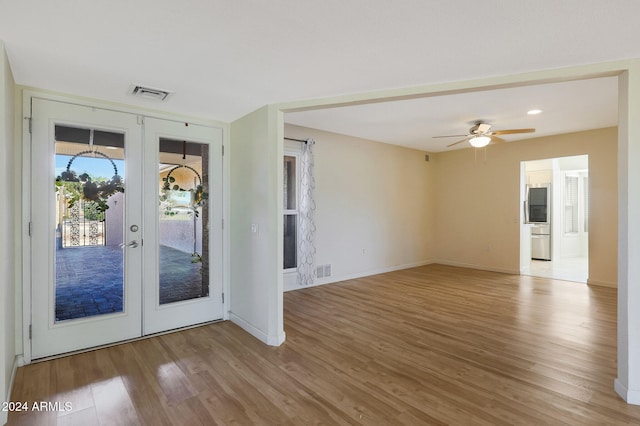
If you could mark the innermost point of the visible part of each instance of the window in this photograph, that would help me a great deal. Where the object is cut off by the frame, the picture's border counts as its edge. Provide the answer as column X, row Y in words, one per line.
column 290, row 181
column 571, row 204
column 585, row 196
column 576, row 203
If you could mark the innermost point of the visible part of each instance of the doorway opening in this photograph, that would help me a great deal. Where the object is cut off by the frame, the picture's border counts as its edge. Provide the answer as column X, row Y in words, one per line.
column 555, row 244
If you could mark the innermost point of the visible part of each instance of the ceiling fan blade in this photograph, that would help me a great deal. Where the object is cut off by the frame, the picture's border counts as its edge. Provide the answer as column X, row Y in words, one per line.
column 456, row 143
column 495, row 139
column 512, row 131
column 449, row 136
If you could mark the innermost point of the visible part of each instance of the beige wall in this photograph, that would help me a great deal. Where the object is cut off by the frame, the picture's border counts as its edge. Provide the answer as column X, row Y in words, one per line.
column 478, row 199
column 374, row 201
column 461, row 208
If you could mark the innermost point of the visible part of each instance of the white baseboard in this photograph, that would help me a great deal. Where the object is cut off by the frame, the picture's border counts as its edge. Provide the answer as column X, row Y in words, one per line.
column 4, row 415
column 338, row 278
column 480, row 267
column 630, row 396
column 290, row 281
column 276, row 340
column 16, row 363
column 21, row 361
column 271, row 340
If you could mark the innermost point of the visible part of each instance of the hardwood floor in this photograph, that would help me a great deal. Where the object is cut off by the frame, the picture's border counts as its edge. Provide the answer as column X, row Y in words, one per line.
column 429, row 345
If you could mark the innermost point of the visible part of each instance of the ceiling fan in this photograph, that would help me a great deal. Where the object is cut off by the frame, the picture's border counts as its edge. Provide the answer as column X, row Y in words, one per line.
column 480, row 135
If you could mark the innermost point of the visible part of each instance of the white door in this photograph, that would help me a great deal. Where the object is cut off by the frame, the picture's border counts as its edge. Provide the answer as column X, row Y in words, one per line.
column 108, row 239
column 183, row 225
column 86, row 288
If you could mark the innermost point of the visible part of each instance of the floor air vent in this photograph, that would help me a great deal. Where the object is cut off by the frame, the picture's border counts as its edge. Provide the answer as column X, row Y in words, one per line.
column 150, row 93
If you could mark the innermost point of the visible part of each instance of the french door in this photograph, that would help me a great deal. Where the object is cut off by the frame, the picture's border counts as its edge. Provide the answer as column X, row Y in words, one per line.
column 122, row 226
column 183, row 232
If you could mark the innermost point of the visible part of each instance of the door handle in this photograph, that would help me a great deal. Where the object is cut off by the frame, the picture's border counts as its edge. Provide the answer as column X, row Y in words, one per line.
column 132, row 244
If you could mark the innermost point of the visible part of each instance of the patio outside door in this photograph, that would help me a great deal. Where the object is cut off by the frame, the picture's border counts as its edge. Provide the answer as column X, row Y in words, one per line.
column 108, row 238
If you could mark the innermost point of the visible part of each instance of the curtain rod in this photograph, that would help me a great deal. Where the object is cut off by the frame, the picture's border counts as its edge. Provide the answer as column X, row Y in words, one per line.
column 297, row 140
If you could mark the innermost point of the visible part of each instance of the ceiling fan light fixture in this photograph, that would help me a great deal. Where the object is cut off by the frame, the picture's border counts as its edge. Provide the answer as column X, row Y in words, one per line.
column 479, row 141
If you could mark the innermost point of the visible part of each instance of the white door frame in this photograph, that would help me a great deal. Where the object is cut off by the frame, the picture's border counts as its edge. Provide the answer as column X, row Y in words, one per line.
column 24, row 296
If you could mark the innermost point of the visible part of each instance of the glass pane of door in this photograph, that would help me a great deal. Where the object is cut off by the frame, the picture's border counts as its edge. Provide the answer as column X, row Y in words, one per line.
column 183, row 218
column 89, row 210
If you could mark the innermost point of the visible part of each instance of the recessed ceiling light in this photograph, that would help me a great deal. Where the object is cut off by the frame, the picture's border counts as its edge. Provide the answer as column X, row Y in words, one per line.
column 534, row 111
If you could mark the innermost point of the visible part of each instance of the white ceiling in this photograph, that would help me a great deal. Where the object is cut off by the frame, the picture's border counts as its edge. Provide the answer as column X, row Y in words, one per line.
column 566, row 107
column 224, row 59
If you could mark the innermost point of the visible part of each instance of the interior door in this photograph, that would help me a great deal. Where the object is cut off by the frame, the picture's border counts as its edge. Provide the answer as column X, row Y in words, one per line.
column 183, row 225
column 86, row 220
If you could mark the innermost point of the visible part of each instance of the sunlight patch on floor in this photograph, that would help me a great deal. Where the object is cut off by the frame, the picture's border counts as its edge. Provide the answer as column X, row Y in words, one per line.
column 568, row 269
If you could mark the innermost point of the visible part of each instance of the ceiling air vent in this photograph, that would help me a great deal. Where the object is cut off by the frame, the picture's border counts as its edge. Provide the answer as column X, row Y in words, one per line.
column 150, row 93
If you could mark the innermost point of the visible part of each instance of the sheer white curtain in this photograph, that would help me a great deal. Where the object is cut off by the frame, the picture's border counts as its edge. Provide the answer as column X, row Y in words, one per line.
column 306, row 218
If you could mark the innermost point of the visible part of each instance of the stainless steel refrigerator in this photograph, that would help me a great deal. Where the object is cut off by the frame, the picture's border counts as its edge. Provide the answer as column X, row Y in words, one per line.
column 538, row 213
column 540, row 242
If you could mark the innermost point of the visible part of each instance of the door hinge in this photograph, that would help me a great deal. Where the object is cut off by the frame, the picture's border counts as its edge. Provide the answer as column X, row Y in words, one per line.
column 30, row 331
column 30, row 123
column 140, row 120
column 29, row 230
column 222, row 297
column 223, row 150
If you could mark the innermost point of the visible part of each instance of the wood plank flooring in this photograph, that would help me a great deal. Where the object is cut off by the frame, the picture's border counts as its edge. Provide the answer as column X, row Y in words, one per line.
column 431, row 345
